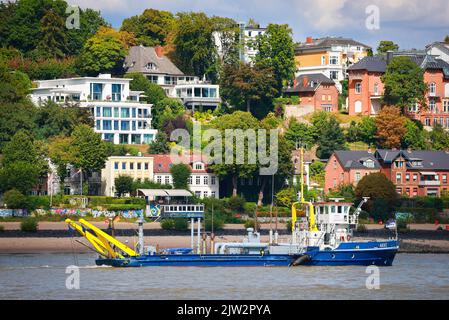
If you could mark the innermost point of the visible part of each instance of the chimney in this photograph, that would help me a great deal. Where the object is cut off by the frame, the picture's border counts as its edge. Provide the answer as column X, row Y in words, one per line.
column 158, row 50
column 305, row 81
column 389, row 56
column 309, row 40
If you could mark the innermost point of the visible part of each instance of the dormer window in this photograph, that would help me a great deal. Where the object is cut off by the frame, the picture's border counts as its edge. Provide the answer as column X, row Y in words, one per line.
column 369, row 163
column 151, row 66
column 198, row 166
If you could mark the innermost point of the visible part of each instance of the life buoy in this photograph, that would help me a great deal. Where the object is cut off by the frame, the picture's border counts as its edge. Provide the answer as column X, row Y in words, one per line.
column 348, row 237
column 342, row 238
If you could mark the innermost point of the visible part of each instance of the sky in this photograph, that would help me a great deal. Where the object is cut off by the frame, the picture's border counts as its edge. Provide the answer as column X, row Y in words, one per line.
column 409, row 23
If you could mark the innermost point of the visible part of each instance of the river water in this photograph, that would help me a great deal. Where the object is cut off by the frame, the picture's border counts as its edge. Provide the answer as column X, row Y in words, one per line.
column 43, row 276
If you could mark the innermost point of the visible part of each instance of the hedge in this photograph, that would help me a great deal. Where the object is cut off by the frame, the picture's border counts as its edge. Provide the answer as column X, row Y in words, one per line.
column 421, row 215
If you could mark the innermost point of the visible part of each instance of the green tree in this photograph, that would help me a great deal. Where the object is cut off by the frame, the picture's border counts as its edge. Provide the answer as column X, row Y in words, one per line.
column 439, row 138
column 332, row 138
column 13, row 118
column 386, row 45
column 180, row 173
column 277, row 52
column 89, row 151
column 367, row 130
column 160, row 145
column 415, row 136
column 124, row 184
column 404, row 83
column 105, row 52
column 166, row 109
column 228, row 33
column 14, row 199
column 54, row 38
column 377, row 187
column 317, row 171
column 20, row 175
column 61, row 154
column 319, row 122
column 52, row 120
column 353, row 132
column 237, row 120
column 244, row 85
column 15, row 85
column 151, row 28
column 299, row 132
column 195, row 52
column 154, row 93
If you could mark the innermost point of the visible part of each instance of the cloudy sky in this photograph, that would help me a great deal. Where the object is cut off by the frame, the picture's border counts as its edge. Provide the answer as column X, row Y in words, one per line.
column 410, row 23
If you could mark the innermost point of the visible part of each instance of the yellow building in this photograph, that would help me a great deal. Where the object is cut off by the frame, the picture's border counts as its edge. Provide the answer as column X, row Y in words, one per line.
column 140, row 167
column 330, row 56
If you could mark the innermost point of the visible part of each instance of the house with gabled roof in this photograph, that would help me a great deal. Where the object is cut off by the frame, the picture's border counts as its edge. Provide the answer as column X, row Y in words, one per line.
column 349, row 167
column 414, row 172
column 316, row 91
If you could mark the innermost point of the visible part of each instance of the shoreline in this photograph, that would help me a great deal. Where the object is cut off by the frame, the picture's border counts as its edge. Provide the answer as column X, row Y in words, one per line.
column 32, row 245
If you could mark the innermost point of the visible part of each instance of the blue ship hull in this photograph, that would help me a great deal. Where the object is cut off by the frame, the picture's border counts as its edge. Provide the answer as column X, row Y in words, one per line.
column 350, row 253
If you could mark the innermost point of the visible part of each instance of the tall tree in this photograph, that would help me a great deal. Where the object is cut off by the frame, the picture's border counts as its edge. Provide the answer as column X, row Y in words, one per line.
column 390, row 126
column 237, row 120
column 151, row 28
column 89, row 151
column 53, row 42
column 195, row 51
column 277, row 51
column 299, row 132
column 244, row 85
column 227, row 32
column 387, row 45
column 439, row 138
column 332, row 138
column 180, row 173
column 415, row 136
column 404, row 83
column 367, row 130
column 124, row 184
column 61, row 154
column 160, row 145
column 105, row 52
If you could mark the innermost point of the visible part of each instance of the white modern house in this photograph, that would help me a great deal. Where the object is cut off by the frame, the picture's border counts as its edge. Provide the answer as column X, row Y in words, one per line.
column 195, row 94
column 119, row 115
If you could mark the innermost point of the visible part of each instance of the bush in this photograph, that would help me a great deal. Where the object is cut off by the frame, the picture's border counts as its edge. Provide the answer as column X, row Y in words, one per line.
column 250, row 223
column 2, row 228
column 236, row 204
column 29, row 225
column 361, row 228
column 288, row 225
column 14, row 199
column 219, row 221
column 168, row 224
column 180, row 224
column 122, row 207
column 421, row 215
column 402, row 225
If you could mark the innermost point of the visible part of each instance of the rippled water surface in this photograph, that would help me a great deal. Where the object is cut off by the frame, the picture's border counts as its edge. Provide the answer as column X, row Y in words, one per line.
column 43, row 276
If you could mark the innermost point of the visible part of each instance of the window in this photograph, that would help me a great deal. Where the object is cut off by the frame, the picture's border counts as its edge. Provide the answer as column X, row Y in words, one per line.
column 376, row 89
column 198, row 180
column 415, row 177
column 323, row 60
column 124, row 125
column 116, row 164
column 427, row 122
column 398, row 177
column 167, row 179
column 334, row 75
column 96, row 91
column 116, row 92
column 139, row 166
column 357, row 176
column 206, row 180
column 153, row 79
column 190, row 180
column 107, row 125
column 432, row 89
column 432, row 106
column 98, row 111
column 358, row 88
column 116, row 124
column 213, row 180
column 123, row 165
column 444, row 178
column 198, row 194
column 446, row 106
column 151, row 66
column 125, row 113
column 107, row 112
column 333, row 60
column 407, row 177
column 159, row 179
column 213, row 194
column 116, row 112
column 109, row 137
column 146, row 166
column 131, row 166
column 98, row 126
column 199, row 166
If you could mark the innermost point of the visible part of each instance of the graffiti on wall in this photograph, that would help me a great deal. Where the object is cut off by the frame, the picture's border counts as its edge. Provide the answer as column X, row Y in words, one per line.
column 129, row 214
column 5, row 213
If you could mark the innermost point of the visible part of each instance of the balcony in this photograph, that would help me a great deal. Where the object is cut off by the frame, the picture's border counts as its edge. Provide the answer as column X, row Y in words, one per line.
column 430, row 183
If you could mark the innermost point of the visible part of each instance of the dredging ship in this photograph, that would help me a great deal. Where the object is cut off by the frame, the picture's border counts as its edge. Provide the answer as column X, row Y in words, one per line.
column 322, row 235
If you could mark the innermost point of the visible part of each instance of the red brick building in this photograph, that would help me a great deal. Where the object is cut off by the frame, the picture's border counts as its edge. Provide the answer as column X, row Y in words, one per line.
column 415, row 173
column 365, row 88
column 315, row 90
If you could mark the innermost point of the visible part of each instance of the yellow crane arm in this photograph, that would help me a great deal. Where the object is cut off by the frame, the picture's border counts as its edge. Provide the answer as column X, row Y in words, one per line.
column 103, row 235
column 98, row 245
